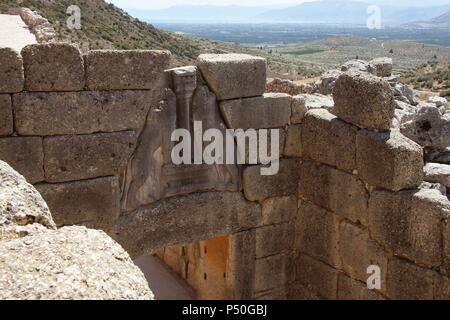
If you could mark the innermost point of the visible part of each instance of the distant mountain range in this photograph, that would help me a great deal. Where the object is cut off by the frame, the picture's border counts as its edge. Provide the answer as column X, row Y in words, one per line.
column 201, row 13
column 442, row 21
column 349, row 12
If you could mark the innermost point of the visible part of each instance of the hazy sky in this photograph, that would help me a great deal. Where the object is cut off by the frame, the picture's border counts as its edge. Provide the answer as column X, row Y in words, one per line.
column 158, row 4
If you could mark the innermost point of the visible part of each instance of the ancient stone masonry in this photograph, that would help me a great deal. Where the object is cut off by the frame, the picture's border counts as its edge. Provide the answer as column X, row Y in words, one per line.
column 93, row 133
column 37, row 261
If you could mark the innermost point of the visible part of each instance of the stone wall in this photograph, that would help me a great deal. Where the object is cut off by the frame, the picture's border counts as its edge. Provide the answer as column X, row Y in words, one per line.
column 92, row 132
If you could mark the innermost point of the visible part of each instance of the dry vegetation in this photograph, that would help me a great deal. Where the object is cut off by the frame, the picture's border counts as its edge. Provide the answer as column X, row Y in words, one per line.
column 104, row 26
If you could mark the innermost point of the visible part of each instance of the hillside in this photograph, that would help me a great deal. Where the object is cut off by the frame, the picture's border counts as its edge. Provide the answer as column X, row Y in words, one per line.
column 104, row 26
column 442, row 21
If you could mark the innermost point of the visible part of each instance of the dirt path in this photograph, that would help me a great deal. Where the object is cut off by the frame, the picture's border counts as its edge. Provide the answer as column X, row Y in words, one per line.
column 14, row 33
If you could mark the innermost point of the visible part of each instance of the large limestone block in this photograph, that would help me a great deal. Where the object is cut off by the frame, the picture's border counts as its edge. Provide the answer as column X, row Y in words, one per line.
column 428, row 127
column 442, row 288
column 389, row 160
column 122, row 70
column 72, row 263
column 437, row 172
column 70, row 158
column 316, row 233
column 358, row 252
column 273, row 110
column 357, row 65
column 232, row 76
column 258, row 187
column 382, row 66
column 335, row 190
column 279, row 210
column 302, row 103
column 410, row 223
column 350, row 290
column 409, row 282
column 81, row 112
column 271, row 272
column 274, row 239
column 293, row 145
column 318, row 277
column 25, row 155
column 11, row 71
column 93, row 203
column 185, row 219
column 242, row 253
column 20, row 205
column 53, row 67
column 328, row 140
column 364, row 100
column 6, row 117
column 446, row 255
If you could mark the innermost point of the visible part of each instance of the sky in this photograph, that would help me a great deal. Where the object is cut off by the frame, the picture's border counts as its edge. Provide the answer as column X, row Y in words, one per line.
column 160, row 4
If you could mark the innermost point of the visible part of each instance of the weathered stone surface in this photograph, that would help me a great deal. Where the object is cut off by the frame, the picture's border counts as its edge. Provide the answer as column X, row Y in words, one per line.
column 440, row 156
column 133, row 70
column 293, row 145
column 357, row 66
column 297, row 291
column 274, row 239
column 179, row 220
column 20, row 205
column 409, row 223
column 271, row 272
column 428, row 127
column 233, row 76
column 437, row 172
column 25, row 155
column 434, row 186
column 317, row 277
column 273, row 110
column 6, row 117
column 438, row 101
column 406, row 94
column 389, row 160
column 446, row 242
column 358, row 252
column 53, row 67
column 278, row 210
column 258, row 187
column 302, row 103
column 92, row 203
column 442, row 288
column 242, row 269
column 404, row 112
column 382, row 66
column 349, row 289
column 364, row 100
column 328, row 81
column 409, row 282
column 81, row 112
column 11, row 69
column 335, row 190
column 328, row 140
column 71, row 263
column 316, row 233
column 87, row 156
